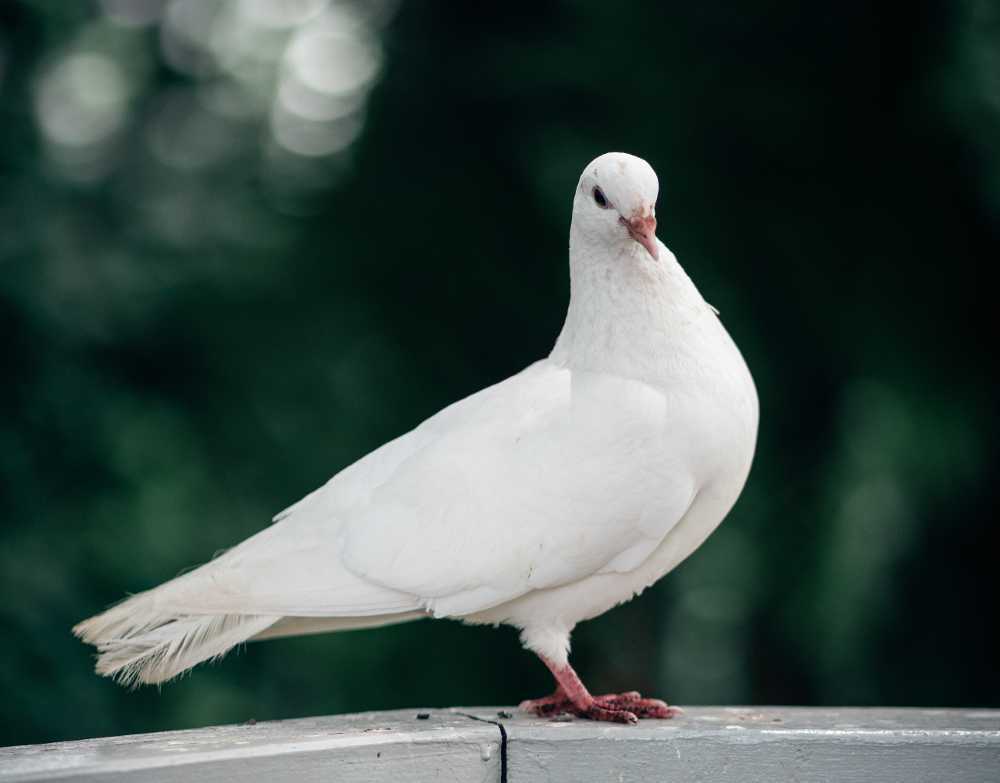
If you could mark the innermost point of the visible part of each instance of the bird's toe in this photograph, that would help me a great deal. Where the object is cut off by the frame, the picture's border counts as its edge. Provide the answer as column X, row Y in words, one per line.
column 546, row 706
column 633, row 702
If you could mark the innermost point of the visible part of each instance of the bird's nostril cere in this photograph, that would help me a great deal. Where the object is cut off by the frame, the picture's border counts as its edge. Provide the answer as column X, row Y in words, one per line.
column 642, row 225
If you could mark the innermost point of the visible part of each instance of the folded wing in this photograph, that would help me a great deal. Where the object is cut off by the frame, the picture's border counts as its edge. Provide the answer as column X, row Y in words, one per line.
column 547, row 478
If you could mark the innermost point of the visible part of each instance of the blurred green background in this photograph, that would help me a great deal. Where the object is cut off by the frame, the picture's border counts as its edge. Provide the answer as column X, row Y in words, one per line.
column 244, row 242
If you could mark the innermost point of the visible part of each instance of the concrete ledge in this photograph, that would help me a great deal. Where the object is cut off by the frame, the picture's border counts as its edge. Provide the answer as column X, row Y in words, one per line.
column 484, row 744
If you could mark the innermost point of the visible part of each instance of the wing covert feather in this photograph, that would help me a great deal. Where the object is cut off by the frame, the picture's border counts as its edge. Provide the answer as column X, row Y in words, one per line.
column 543, row 479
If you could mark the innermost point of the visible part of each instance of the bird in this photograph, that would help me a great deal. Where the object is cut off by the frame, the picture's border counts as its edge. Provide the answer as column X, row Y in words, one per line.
column 539, row 502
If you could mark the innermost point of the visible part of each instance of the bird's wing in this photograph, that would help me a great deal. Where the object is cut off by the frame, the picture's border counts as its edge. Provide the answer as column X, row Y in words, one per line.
column 541, row 480
column 546, row 478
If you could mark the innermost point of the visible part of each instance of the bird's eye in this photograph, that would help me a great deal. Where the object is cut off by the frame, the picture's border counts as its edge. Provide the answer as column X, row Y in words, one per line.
column 599, row 198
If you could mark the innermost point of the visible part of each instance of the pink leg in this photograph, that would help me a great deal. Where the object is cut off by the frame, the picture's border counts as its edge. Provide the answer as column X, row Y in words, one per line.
column 572, row 696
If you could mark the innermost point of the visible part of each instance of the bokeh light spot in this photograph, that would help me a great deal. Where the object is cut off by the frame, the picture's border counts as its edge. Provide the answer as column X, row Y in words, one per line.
column 82, row 98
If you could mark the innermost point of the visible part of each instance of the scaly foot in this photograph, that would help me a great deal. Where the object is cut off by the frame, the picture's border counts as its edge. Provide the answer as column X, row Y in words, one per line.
column 626, row 707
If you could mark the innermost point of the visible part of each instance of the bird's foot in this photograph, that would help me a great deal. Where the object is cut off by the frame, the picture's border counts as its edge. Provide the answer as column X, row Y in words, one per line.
column 626, row 707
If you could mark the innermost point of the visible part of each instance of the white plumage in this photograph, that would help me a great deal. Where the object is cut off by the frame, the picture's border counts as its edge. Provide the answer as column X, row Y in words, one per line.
column 540, row 502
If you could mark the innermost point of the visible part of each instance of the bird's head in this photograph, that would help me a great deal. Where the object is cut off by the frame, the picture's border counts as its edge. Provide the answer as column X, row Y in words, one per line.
column 615, row 203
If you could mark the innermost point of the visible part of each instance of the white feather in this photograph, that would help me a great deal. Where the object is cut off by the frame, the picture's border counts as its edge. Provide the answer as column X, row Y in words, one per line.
column 140, row 644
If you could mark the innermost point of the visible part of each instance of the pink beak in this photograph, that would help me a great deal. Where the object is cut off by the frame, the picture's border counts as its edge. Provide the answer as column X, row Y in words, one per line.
column 643, row 231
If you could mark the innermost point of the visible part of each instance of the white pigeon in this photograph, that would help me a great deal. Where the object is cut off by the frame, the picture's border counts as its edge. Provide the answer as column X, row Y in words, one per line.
column 539, row 502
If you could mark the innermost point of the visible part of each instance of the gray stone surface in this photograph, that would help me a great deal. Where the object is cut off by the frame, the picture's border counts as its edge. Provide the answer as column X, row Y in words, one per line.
column 705, row 744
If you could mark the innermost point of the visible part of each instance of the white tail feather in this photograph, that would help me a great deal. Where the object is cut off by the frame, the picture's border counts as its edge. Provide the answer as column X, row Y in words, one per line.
column 283, row 581
column 139, row 644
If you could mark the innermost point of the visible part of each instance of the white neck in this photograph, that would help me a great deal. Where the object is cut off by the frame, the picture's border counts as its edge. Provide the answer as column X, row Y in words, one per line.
column 630, row 315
